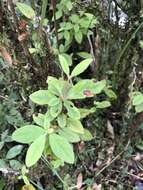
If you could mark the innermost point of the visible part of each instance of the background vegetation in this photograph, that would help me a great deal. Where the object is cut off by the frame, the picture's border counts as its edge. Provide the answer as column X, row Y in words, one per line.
column 31, row 38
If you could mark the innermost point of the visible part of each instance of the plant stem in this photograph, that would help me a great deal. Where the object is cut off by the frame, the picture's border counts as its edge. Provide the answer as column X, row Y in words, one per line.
column 53, row 2
column 124, row 49
column 43, row 13
column 50, row 167
column 40, row 188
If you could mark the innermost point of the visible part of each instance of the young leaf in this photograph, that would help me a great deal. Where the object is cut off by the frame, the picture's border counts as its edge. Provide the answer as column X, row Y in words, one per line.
column 82, row 66
column 78, row 36
column 14, row 151
column 35, row 151
column 69, row 135
column 64, row 64
column 27, row 134
column 62, row 120
column 41, row 97
column 75, row 126
column 61, row 148
column 26, row 10
column 47, row 119
column 56, row 110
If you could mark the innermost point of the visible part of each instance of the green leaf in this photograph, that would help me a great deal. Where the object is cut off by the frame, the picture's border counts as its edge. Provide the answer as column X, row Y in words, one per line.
column 27, row 134
column 2, row 184
column 110, row 93
column 54, row 101
column 99, row 86
column 47, row 119
column 76, row 28
column 87, row 136
column 26, row 10
column 67, row 26
column 84, row 112
column 64, row 64
column 56, row 110
column 84, row 55
column 77, row 91
column 74, row 18
column 61, row 148
column 138, row 99
column 78, row 36
column 67, row 35
column 55, row 86
column 15, row 164
column 62, row 120
column 103, row 104
column 73, row 112
column 1, row 144
column 82, row 66
column 3, row 164
column 69, row 135
column 35, row 151
column 69, row 5
column 58, row 14
column 139, row 108
column 39, row 119
column 14, row 151
column 33, row 50
column 41, row 97
column 75, row 126
column 68, row 58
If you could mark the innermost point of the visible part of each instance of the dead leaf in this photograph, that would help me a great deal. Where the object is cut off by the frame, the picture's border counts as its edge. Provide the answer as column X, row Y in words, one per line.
column 99, row 160
column 28, row 187
column 5, row 55
column 23, row 36
column 110, row 130
column 81, row 146
column 79, row 181
column 22, row 25
column 110, row 151
column 96, row 187
column 138, row 157
column 88, row 93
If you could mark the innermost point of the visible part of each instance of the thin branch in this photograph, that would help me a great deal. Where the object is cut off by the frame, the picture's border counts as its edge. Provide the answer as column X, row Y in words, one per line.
column 53, row 2
column 9, row 171
column 105, row 167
